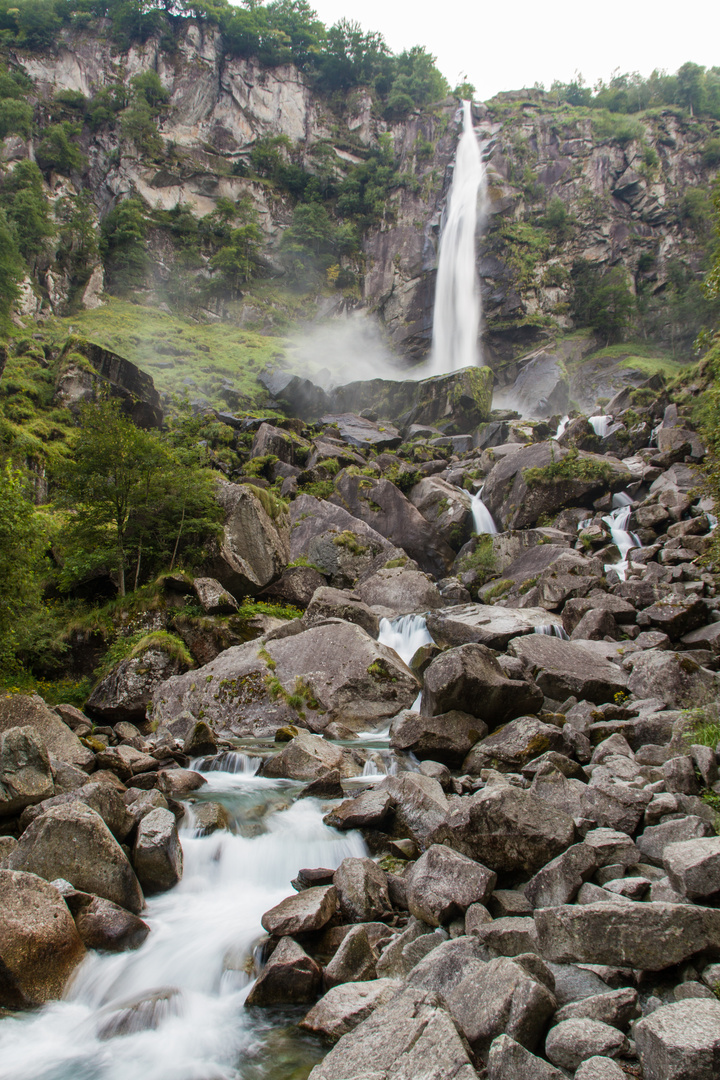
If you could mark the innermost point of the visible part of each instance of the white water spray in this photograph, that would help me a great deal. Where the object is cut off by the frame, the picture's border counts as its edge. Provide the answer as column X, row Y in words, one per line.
column 552, row 630
column 456, row 318
column 561, row 427
column 600, row 425
column 405, row 635
column 623, row 540
column 482, row 518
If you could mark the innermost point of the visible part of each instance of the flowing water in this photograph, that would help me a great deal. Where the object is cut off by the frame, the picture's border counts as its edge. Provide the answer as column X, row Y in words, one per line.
column 600, row 425
column 482, row 518
column 552, row 630
column 456, row 318
column 561, row 427
column 406, row 635
column 623, row 540
column 195, row 969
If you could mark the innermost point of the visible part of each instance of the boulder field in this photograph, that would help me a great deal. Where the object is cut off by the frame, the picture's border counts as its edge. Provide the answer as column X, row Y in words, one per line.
column 541, row 895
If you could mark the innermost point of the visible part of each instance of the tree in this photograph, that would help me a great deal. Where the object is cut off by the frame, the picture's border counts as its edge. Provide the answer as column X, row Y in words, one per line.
column 130, row 498
column 601, row 300
column 122, row 244
column 20, row 560
column 57, row 151
column 11, row 270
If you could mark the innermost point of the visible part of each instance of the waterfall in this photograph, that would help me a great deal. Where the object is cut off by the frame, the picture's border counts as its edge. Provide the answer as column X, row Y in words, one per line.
column 456, row 318
column 482, row 518
column 405, row 635
column 552, row 630
column 175, row 1006
column 622, row 539
column 600, row 425
column 561, row 427
column 229, row 762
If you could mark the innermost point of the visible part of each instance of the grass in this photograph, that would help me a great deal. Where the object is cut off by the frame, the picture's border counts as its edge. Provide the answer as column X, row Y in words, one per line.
column 63, row 691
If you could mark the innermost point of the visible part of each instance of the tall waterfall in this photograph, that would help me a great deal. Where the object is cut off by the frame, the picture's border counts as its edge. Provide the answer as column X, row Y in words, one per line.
column 456, row 319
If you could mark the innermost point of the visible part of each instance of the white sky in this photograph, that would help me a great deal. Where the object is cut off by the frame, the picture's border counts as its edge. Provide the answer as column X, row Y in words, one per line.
column 509, row 44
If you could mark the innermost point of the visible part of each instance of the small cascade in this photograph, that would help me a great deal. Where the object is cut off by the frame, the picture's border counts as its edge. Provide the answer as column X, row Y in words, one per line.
column 623, row 540
column 456, row 318
column 562, row 427
column 482, row 518
column 620, row 499
column 405, row 635
column 552, row 630
column 228, row 762
column 600, row 425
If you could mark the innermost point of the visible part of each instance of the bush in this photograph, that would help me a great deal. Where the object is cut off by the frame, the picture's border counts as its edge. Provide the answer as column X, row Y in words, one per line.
column 601, row 300
column 56, row 151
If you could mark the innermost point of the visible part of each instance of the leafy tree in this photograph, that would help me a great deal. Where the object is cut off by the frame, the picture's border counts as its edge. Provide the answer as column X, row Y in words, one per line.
column 11, row 270
column 130, row 498
column 26, row 206
column 57, row 151
column 122, row 244
column 37, row 24
column 16, row 118
column 105, row 106
column 601, row 300
column 20, row 560
column 139, row 126
column 147, row 85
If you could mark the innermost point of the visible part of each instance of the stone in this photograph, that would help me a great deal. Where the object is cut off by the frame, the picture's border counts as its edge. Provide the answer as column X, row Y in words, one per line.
column 353, row 962
column 506, row 829
column 513, row 746
column 508, row 1060
column 334, row 672
column 200, row 741
column 399, row 590
column 328, row 603
column 470, row 679
column 559, row 880
column 21, row 710
column 680, row 1042
column 309, row 757
column 125, row 761
column 420, row 805
column 600, row 1068
column 676, row 615
column 444, row 966
column 369, row 809
column 651, row 936
column 157, row 855
column 255, row 546
column 101, row 797
column 612, row 847
column 693, row 867
column 177, row 783
column 207, row 818
column 212, row 597
column 565, row 668
column 496, row 998
column 508, row 902
column 411, row 1036
column 671, row 676
column 442, row 884
column 446, row 738
column 363, row 433
column 39, row 943
column 571, row 1042
column 485, row 624
column 509, row 936
column 301, row 914
column 106, row 926
column 656, row 838
column 362, row 890
column 345, row 1006
column 26, row 776
column 615, row 1007
column 127, row 689
column 290, row 977
column 74, row 843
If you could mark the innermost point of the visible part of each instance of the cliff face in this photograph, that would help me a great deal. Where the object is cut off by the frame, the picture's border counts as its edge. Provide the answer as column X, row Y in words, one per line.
column 621, row 188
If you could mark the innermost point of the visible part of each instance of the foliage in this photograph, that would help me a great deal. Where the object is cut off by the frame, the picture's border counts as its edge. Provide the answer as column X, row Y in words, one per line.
column 57, row 151
column 692, row 87
column 568, row 468
column 122, row 244
column 481, row 560
column 21, row 547
column 601, row 300
column 27, row 209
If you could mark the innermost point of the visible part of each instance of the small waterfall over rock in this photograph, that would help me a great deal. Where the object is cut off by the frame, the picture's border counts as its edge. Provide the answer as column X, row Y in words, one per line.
column 553, row 630
column 456, row 318
column 623, row 540
column 482, row 518
column 405, row 635
column 561, row 427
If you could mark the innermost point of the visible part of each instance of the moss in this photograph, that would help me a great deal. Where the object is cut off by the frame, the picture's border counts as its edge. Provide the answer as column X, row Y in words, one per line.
column 481, row 560
column 568, row 468
column 380, row 671
column 271, row 504
column 350, row 542
column 497, row 590
column 392, row 564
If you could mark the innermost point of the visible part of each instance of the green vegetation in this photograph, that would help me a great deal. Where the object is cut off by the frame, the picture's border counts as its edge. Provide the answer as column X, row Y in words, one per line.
column 692, row 87
column 568, row 468
column 601, row 300
column 481, row 559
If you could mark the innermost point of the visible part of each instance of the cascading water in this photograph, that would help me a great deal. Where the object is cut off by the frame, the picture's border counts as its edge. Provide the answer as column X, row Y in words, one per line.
column 600, row 425
column 457, row 313
column 482, row 518
column 405, row 635
column 561, row 427
column 193, row 972
column 552, row 630
column 623, row 540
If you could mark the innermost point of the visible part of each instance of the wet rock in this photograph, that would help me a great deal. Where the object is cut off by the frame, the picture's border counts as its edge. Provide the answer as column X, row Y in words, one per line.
column 213, row 598
column 290, row 977
column 564, row 668
column 347, row 1005
column 329, row 603
column 680, row 1042
column 362, row 890
column 137, row 1014
column 367, row 810
column 125, row 761
column 353, row 962
column 25, row 773
column 309, row 910
column 255, row 546
column 200, row 741
column 108, row 927
column 409, row 1037
column 74, row 843
column 485, row 624
column 571, row 1042
column 442, row 884
column 651, row 936
column 509, row 749
column 309, row 757
column 21, row 710
column 157, row 855
column 506, row 829
column 39, row 943
column 176, row 783
column 470, row 679
column 446, row 738
column 508, row 1060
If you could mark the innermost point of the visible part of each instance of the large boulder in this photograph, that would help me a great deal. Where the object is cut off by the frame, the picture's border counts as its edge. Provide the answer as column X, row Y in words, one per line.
column 681, row 1041
column 74, row 843
column 26, row 776
column 125, row 692
column 104, row 925
column 508, row 1060
column 446, row 507
column 290, row 977
column 342, row 546
column 383, row 506
column 693, row 868
column 542, row 387
column 517, row 496
column 412, row 1036
column 446, row 738
column 470, row 679
column 362, row 890
column 565, row 668
column 39, row 943
column 347, row 1005
column 670, row 676
column 329, row 603
column 506, row 829
column 157, row 854
column 332, row 672
column 443, row 884
column 103, row 798
column 400, row 591
column 309, row 757
column 354, row 961
column 255, row 545
column 513, row 746
column 485, row 624
column 21, row 710
column 309, row 910
column 650, row 936
column 365, row 434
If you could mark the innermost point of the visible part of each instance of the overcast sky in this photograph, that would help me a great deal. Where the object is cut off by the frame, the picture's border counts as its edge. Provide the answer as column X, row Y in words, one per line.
column 509, row 45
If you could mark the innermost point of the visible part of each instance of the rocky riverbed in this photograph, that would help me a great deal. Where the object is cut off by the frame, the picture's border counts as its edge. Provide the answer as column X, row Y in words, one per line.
column 466, row 825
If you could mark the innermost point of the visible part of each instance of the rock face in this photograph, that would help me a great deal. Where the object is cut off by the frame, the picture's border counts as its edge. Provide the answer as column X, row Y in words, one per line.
column 336, row 672
column 74, row 843
column 124, row 693
column 39, row 943
column 462, row 399
column 135, row 388
column 19, row 710
column 255, row 546
column 25, row 774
